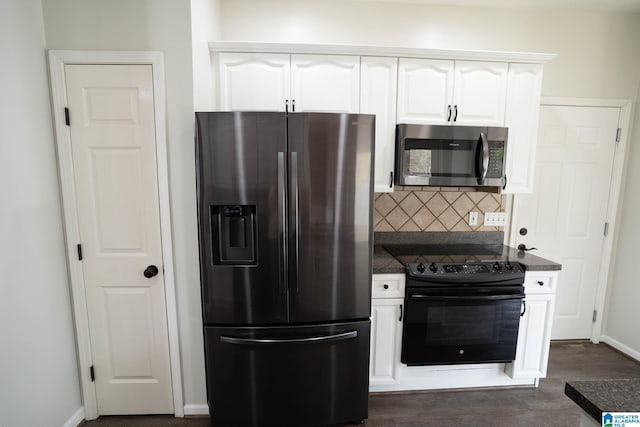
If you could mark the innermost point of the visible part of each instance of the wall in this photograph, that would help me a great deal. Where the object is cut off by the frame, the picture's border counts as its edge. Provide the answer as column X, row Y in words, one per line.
column 589, row 45
column 38, row 369
column 161, row 26
column 622, row 314
column 205, row 27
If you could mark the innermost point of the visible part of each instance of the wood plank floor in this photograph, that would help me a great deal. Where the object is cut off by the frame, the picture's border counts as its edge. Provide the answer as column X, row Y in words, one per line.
column 545, row 406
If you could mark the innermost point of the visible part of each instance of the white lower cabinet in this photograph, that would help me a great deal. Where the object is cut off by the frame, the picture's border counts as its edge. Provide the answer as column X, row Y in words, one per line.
column 386, row 329
column 534, row 334
column 386, row 335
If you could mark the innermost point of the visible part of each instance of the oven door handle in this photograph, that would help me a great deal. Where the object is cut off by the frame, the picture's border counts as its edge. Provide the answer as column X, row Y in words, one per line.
column 465, row 297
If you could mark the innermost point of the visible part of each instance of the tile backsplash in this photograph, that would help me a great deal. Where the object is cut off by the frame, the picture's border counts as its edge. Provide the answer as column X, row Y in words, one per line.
column 434, row 209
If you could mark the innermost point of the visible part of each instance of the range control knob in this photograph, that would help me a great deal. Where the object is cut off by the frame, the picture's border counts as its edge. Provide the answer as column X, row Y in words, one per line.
column 421, row 268
column 497, row 266
column 508, row 266
column 433, row 267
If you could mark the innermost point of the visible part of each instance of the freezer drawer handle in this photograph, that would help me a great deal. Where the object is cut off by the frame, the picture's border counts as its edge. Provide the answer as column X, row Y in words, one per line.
column 324, row 338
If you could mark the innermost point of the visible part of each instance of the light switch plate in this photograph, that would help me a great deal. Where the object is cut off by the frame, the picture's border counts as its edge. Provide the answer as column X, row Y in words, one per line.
column 494, row 219
column 473, row 218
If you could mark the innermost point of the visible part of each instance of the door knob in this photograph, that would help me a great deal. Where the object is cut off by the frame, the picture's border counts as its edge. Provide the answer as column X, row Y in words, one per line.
column 150, row 271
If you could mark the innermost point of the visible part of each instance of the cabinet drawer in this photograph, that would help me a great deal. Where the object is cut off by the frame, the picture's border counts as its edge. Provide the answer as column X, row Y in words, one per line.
column 388, row 286
column 540, row 283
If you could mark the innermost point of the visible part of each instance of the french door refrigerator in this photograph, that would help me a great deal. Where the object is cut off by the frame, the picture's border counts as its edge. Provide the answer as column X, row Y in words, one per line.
column 285, row 228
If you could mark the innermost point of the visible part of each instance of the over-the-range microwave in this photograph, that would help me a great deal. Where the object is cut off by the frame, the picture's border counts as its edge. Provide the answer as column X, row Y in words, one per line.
column 451, row 156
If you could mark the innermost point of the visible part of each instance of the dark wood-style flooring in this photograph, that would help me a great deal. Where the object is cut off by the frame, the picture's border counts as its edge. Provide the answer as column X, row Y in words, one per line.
column 545, row 406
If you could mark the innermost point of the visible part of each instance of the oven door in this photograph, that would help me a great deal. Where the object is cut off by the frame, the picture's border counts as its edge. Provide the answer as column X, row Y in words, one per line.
column 461, row 325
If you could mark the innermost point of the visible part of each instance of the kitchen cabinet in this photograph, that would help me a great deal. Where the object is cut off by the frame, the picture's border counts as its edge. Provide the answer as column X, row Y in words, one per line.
column 253, row 81
column 451, row 92
column 276, row 81
column 378, row 88
column 386, row 328
column 418, row 86
column 521, row 117
column 534, row 333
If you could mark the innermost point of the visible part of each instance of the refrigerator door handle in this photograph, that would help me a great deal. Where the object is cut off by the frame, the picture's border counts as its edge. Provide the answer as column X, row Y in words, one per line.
column 282, row 225
column 296, row 214
column 259, row 341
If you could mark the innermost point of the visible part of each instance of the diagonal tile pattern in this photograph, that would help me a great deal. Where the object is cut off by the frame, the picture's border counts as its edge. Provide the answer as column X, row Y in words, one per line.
column 427, row 209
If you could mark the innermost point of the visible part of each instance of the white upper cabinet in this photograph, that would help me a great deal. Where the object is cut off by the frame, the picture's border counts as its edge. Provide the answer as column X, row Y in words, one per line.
column 275, row 82
column 522, row 112
column 253, row 81
column 378, row 85
column 325, row 83
column 480, row 93
column 451, row 92
column 425, row 91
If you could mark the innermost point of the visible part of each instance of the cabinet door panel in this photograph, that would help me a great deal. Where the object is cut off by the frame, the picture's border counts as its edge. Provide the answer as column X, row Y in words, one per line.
column 534, row 337
column 325, row 83
column 522, row 112
column 253, row 81
column 378, row 86
column 480, row 93
column 386, row 333
column 425, row 89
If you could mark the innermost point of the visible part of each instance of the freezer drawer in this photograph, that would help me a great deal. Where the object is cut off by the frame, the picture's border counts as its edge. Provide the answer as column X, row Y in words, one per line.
column 288, row 376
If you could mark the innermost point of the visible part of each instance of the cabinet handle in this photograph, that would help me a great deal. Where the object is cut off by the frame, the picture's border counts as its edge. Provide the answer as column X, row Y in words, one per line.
column 385, row 286
column 505, row 181
column 540, row 282
column 456, row 115
column 286, row 105
column 524, row 308
column 400, row 319
column 449, row 117
column 293, row 105
column 391, row 179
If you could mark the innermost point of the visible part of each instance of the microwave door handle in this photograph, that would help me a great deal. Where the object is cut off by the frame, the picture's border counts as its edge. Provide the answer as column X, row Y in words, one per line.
column 483, row 159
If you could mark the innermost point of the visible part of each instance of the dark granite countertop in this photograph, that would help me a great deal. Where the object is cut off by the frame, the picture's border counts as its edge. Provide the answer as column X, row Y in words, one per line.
column 393, row 250
column 596, row 397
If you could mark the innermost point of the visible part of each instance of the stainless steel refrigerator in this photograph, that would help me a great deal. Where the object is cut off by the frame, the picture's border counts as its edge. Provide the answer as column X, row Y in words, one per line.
column 285, row 227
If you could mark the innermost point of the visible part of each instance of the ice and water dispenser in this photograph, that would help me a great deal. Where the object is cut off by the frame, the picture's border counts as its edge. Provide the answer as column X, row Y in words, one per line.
column 234, row 234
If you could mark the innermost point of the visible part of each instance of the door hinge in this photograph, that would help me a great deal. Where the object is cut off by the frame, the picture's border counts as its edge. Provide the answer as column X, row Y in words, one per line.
column 606, row 229
column 79, row 252
column 66, row 116
column 595, row 315
column 618, row 134
column 92, row 373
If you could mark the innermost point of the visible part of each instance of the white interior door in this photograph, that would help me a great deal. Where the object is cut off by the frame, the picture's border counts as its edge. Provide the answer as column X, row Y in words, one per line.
column 113, row 145
column 566, row 213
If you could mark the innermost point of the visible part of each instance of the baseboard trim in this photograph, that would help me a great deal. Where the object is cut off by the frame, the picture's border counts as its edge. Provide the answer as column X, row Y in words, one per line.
column 634, row 354
column 196, row 409
column 75, row 419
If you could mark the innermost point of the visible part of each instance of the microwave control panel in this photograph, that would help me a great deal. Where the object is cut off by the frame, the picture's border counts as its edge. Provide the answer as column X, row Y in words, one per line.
column 496, row 159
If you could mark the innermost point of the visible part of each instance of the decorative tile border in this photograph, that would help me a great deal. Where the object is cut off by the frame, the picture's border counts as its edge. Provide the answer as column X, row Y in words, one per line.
column 434, row 209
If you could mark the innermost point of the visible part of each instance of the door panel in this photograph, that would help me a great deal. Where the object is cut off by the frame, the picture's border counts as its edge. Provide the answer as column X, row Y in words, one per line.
column 425, row 91
column 113, row 143
column 330, row 205
column 566, row 213
column 238, row 166
column 275, row 383
column 327, row 83
column 480, row 94
column 253, row 81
